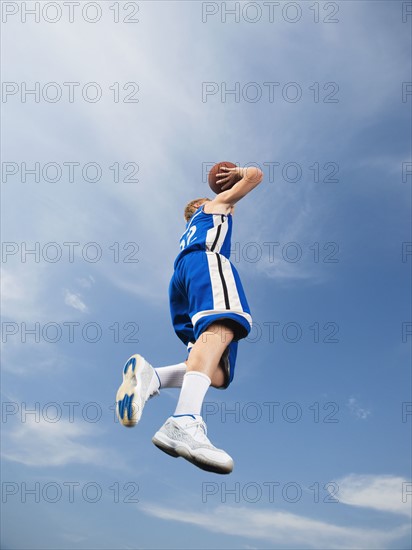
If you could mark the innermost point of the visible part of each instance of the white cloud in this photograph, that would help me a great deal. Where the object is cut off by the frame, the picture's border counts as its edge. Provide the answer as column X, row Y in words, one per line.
column 30, row 291
column 380, row 492
column 86, row 282
column 22, row 291
column 74, row 300
column 357, row 410
column 40, row 443
column 10, row 288
column 281, row 528
column 31, row 358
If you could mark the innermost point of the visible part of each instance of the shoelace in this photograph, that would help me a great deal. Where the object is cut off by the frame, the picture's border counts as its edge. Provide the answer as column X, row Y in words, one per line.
column 201, row 429
column 197, row 427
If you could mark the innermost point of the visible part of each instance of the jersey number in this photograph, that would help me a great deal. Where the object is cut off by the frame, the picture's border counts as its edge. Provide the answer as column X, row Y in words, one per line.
column 189, row 237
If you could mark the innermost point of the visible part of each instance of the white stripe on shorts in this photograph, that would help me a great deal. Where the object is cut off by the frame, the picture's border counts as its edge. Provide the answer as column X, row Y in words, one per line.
column 216, row 282
column 205, row 313
column 224, row 291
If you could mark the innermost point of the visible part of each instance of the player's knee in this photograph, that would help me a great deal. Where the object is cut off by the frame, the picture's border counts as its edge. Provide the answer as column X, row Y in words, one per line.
column 218, row 379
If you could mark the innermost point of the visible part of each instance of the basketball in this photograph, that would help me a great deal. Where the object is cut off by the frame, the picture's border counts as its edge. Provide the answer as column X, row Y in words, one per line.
column 216, row 169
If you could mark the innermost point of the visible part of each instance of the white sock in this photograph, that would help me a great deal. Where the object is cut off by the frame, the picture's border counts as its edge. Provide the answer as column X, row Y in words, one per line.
column 171, row 376
column 194, row 388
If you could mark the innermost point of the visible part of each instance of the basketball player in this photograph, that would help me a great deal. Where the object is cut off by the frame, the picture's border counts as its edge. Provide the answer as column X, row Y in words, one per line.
column 210, row 315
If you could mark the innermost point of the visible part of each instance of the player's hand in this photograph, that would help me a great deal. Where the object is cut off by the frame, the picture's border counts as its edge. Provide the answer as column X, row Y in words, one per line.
column 228, row 177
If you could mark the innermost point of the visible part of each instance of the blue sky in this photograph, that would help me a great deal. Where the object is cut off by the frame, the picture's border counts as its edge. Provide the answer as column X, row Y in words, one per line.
column 318, row 417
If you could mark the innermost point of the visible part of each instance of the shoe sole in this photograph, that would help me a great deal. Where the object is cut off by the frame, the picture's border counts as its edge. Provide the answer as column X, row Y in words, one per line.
column 132, row 394
column 177, row 450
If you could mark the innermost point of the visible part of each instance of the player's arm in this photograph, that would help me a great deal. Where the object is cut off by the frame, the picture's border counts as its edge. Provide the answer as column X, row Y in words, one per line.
column 234, row 188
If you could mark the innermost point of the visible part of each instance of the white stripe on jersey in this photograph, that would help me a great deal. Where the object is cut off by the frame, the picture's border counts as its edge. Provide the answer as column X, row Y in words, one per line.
column 215, row 237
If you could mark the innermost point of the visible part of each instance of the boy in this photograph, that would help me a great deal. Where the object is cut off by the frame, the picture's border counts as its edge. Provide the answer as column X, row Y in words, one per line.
column 210, row 315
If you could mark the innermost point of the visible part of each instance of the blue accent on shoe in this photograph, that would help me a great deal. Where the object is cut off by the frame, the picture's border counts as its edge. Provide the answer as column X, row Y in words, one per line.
column 131, row 361
column 179, row 415
column 129, row 406
column 126, row 403
column 158, row 377
column 121, row 408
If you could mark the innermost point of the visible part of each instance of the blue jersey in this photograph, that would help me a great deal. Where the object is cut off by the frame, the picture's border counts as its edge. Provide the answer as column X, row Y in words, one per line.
column 207, row 232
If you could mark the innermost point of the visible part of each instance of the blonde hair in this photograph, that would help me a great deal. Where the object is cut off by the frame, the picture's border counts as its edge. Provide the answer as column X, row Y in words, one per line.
column 190, row 207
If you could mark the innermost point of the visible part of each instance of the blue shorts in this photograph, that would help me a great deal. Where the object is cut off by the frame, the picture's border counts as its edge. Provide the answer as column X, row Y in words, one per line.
column 206, row 288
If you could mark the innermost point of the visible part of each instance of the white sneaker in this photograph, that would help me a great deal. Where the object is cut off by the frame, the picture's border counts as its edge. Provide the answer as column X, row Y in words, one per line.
column 140, row 382
column 185, row 436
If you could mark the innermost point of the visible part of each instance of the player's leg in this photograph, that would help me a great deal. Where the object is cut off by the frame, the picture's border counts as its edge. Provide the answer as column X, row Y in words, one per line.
column 219, row 312
column 210, row 292
column 185, row 434
column 171, row 376
column 140, row 380
column 139, row 383
column 203, row 368
column 207, row 352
